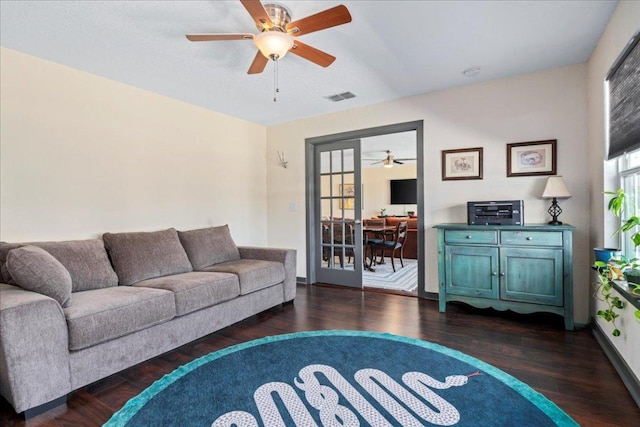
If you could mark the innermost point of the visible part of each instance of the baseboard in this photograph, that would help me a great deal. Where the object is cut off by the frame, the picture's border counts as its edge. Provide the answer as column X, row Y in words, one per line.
column 38, row 410
column 431, row 296
column 626, row 374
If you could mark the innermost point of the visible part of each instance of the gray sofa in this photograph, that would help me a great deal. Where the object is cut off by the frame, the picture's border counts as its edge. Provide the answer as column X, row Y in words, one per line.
column 74, row 312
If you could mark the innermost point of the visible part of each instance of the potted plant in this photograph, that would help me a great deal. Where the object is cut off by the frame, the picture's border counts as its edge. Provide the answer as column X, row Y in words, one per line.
column 618, row 267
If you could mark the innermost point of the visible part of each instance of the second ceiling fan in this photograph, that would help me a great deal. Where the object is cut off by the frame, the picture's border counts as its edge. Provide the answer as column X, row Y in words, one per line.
column 390, row 160
column 278, row 34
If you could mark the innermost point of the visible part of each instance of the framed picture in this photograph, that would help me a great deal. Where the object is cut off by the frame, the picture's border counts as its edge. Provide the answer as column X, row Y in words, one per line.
column 347, row 190
column 465, row 163
column 531, row 158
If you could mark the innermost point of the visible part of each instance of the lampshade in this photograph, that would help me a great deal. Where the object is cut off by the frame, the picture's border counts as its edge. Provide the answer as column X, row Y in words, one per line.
column 273, row 44
column 555, row 188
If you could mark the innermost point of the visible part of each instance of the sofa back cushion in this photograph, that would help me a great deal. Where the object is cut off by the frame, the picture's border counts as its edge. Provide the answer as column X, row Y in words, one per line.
column 145, row 255
column 85, row 260
column 209, row 246
column 36, row 270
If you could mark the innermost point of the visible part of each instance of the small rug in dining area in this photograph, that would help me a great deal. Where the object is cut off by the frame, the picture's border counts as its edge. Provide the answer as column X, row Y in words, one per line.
column 333, row 378
column 403, row 279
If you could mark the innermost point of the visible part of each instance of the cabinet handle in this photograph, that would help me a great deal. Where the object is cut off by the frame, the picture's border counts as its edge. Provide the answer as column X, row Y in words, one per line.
column 529, row 238
column 468, row 237
column 494, row 274
column 502, row 274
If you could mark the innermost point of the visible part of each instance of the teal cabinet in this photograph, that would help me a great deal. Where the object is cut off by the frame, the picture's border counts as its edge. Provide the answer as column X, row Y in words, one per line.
column 525, row 269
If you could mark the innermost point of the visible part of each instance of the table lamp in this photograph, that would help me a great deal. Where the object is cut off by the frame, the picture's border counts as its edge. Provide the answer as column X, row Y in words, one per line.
column 555, row 189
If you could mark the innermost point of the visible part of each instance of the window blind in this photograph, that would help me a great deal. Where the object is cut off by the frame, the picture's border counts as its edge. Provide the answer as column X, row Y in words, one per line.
column 623, row 81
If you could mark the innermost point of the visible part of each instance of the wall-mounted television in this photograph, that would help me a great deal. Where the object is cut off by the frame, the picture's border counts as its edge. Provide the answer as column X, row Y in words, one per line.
column 404, row 191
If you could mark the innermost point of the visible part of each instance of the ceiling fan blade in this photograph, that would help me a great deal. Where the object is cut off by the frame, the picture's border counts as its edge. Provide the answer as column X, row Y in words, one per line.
column 398, row 162
column 406, row 159
column 258, row 64
column 216, row 37
column 329, row 18
column 258, row 13
column 312, row 54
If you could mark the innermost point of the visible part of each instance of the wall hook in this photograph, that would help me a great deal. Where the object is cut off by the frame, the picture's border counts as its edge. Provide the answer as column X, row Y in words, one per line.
column 283, row 162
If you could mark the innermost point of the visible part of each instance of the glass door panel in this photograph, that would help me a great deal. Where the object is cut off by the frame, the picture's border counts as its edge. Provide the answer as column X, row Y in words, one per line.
column 339, row 254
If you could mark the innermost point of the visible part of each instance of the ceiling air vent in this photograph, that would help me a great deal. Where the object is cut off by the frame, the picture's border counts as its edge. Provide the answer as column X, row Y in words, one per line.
column 341, row 96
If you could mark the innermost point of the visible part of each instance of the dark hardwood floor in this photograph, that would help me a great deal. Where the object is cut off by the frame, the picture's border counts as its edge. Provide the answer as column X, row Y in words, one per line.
column 569, row 368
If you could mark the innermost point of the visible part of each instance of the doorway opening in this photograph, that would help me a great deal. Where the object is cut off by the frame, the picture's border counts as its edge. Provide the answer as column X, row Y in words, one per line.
column 389, row 165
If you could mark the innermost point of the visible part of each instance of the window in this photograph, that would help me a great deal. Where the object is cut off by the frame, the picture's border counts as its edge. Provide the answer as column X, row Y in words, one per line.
column 629, row 167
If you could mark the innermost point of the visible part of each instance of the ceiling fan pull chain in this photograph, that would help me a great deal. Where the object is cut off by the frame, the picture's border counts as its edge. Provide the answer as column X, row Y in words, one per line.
column 275, row 81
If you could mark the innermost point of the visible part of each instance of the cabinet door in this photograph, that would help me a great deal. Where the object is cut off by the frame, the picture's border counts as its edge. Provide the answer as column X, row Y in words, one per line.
column 472, row 271
column 531, row 275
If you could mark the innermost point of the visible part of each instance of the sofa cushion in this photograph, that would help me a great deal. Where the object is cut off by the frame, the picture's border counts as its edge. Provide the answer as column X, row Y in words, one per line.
column 103, row 314
column 35, row 269
column 209, row 246
column 145, row 255
column 85, row 260
column 253, row 274
column 196, row 290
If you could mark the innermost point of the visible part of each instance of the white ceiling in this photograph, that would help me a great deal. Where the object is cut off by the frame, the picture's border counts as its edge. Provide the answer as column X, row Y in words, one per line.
column 391, row 49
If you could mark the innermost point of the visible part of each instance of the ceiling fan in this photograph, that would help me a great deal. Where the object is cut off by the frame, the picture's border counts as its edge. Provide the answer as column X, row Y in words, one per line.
column 278, row 34
column 388, row 161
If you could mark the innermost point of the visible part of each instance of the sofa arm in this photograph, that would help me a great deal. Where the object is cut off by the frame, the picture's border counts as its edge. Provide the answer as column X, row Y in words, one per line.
column 34, row 355
column 286, row 256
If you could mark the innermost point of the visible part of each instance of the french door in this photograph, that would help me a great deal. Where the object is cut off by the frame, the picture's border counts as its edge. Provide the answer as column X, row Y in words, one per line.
column 338, row 213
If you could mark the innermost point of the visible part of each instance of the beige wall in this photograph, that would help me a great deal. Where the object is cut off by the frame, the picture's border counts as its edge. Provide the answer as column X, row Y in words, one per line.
column 375, row 182
column 81, row 155
column 545, row 105
column 621, row 27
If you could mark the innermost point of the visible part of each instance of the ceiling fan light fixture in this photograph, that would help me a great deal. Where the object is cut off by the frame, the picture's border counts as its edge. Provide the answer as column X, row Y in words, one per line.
column 273, row 44
column 388, row 163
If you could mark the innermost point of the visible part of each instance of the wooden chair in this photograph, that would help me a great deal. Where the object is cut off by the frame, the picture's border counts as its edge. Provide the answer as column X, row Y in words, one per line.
column 370, row 238
column 396, row 245
column 337, row 238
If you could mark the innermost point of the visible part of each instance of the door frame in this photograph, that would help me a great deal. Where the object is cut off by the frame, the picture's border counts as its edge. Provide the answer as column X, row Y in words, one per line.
column 310, row 190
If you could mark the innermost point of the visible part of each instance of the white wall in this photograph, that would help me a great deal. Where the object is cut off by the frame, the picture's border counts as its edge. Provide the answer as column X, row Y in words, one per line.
column 81, row 155
column 540, row 106
column 624, row 22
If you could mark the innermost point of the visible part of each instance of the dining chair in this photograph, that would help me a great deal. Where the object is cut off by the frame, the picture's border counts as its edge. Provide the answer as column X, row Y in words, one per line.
column 372, row 238
column 393, row 246
column 337, row 238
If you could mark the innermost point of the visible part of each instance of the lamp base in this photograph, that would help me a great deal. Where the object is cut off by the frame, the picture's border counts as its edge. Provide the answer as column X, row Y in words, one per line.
column 554, row 211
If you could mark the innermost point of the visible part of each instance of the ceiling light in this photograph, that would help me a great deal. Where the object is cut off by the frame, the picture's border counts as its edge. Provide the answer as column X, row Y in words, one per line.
column 388, row 163
column 471, row 71
column 273, row 44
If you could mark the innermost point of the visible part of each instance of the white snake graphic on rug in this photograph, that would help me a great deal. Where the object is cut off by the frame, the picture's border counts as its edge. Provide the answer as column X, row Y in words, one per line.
column 384, row 389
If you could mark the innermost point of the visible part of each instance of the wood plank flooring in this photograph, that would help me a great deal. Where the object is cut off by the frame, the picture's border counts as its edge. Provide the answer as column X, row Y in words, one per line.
column 567, row 367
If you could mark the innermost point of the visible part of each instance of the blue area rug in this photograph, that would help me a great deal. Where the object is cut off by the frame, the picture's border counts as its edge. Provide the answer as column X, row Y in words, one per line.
column 350, row 378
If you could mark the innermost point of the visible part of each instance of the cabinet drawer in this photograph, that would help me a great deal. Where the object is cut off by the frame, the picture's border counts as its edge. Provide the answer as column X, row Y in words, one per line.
column 531, row 238
column 471, row 236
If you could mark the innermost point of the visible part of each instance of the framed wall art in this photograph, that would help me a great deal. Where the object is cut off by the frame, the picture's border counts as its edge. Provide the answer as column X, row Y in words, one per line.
column 348, row 192
column 465, row 163
column 531, row 158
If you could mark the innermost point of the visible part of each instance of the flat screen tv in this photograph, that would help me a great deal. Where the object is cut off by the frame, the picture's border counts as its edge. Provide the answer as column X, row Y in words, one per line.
column 404, row 191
